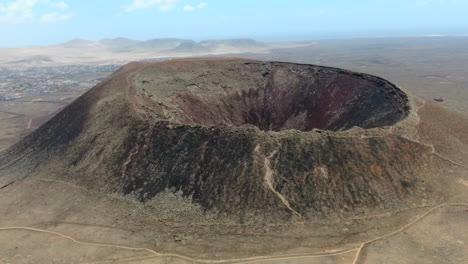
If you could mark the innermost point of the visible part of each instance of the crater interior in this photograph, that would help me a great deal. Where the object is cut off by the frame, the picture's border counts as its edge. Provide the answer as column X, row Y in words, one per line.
column 272, row 96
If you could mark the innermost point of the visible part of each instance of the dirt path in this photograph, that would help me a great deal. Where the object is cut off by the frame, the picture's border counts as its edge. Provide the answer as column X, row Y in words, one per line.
column 269, row 180
column 169, row 255
column 463, row 182
column 6, row 185
column 358, row 258
column 11, row 113
column 431, row 146
column 132, row 94
column 129, row 160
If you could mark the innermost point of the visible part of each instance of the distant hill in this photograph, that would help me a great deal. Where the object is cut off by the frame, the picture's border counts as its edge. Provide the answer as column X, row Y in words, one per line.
column 163, row 44
column 213, row 45
column 244, row 42
column 192, row 46
column 124, row 50
column 119, row 44
column 79, row 43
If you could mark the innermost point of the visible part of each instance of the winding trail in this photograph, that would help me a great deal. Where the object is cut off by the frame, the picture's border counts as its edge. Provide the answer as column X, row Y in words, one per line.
column 431, row 146
column 132, row 94
column 463, row 182
column 357, row 259
column 269, row 181
column 155, row 254
column 11, row 113
column 76, row 240
column 8, row 184
column 170, row 255
column 129, row 160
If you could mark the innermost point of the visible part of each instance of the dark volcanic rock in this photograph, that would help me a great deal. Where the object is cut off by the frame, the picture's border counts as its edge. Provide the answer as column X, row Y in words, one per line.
column 235, row 136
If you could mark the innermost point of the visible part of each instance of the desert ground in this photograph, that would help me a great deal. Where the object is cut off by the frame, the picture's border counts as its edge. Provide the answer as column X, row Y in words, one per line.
column 76, row 225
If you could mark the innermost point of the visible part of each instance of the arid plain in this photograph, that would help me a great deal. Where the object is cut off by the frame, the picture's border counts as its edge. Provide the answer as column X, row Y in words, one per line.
column 46, row 220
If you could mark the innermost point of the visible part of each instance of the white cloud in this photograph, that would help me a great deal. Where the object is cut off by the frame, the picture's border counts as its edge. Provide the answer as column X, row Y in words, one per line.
column 55, row 17
column 60, row 5
column 19, row 11
column 163, row 5
column 422, row 4
column 190, row 8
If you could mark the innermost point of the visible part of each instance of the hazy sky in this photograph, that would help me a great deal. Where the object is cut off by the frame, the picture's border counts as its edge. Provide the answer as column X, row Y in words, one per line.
column 43, row 22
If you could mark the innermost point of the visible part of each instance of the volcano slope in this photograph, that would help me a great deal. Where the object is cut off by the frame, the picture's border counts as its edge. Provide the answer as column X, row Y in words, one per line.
column 208, row 156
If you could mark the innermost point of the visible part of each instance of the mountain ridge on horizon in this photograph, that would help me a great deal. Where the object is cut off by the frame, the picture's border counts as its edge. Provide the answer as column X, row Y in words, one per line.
column 123, row 50
column 129, row 41
column 123, row 44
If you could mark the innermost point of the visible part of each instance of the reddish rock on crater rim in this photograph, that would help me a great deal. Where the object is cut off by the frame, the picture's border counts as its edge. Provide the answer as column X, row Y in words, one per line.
column 272, row 96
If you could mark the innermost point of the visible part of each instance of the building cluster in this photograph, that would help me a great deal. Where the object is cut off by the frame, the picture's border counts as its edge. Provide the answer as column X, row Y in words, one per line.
column 17, row 82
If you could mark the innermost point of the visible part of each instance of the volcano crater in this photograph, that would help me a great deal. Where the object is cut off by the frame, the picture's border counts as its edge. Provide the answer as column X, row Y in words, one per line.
column 236, row 137
column 271, row 96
